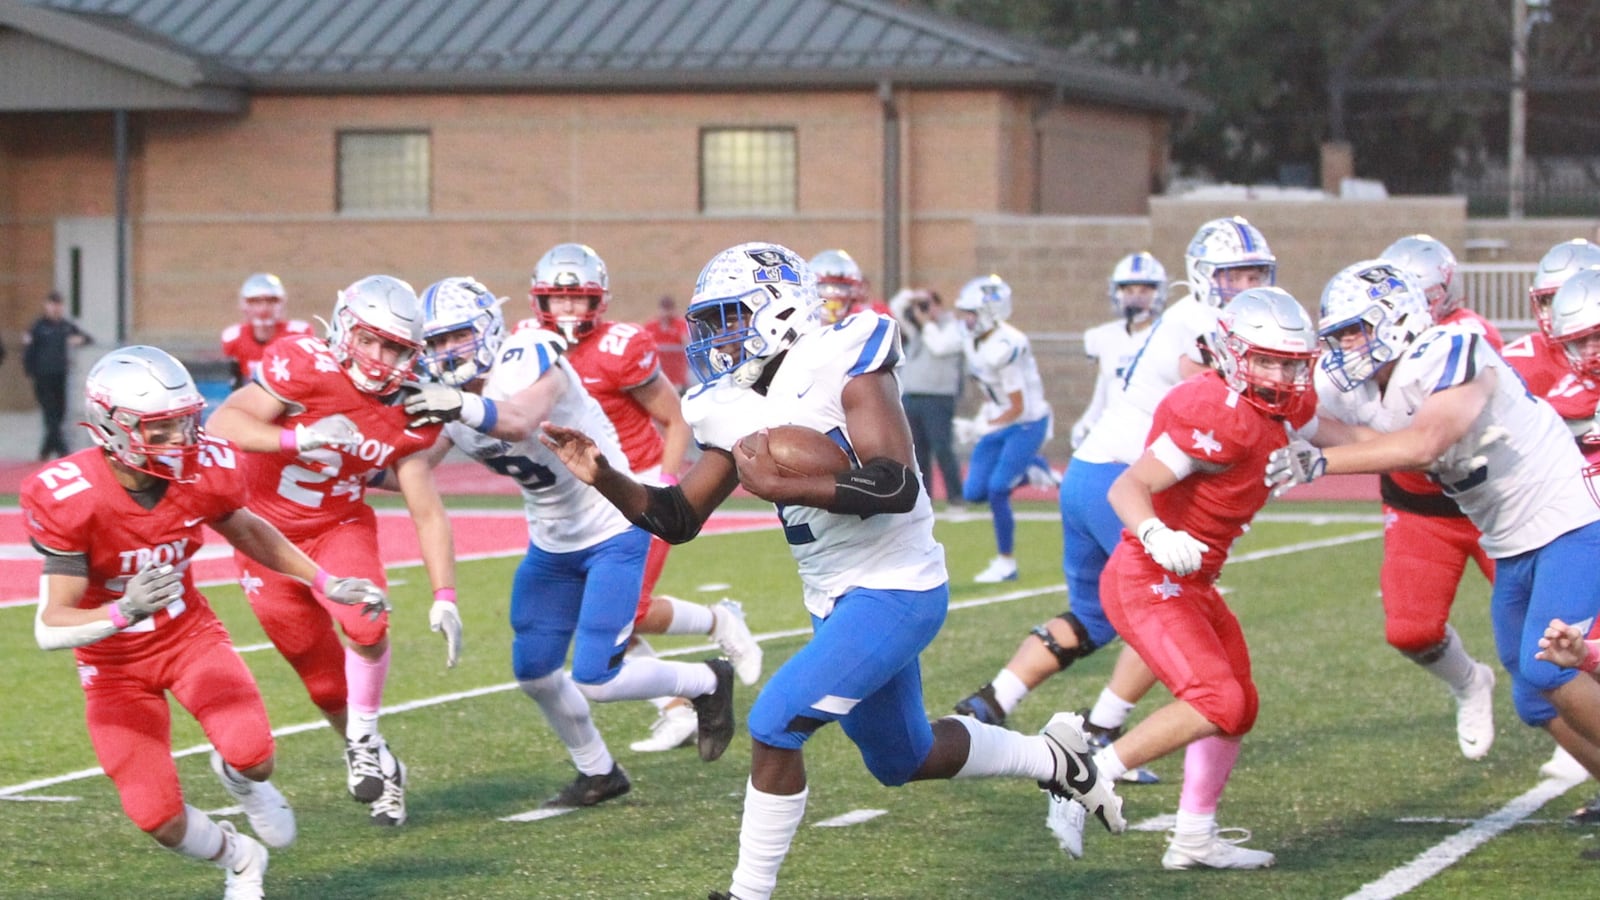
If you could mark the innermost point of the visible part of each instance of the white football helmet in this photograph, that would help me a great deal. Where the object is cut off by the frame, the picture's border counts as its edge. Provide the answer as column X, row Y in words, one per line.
column 1385, row 303
column 144, row 409
column 990, row 298
column 1231, row 243
column 840, row 284
column 1433, row 266
column 1575, row 321
column 1265, row 346
column 461, row 304
column 384, row 307
column 266, row 290
column 751, row 302
column 572, row 270
column 1138, row 268
column 1559, row 263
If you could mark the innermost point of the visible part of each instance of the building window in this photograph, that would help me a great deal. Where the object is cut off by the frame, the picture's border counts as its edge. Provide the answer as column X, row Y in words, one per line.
column 384, row 172
column 747, row 170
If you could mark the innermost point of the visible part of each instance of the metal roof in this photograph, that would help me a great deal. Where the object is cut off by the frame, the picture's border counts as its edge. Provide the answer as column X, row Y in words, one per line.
column 408, row 45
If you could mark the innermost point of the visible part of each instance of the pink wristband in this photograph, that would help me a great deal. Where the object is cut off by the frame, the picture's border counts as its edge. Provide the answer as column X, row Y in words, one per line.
column 121, row 621
column 1591, row 657
column 287, row 443
column 320, row 581
column 668, row 479
column 444, row 595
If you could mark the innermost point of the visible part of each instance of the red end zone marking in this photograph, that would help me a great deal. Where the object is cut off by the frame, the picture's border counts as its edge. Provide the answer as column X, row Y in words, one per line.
column 478, row 534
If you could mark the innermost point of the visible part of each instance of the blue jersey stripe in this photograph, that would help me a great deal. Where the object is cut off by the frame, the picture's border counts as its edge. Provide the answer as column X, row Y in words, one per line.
column 545, row 359
column 878, row 352
column 1453, row 368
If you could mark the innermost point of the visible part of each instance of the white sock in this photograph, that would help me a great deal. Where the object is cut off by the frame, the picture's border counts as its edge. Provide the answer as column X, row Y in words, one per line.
column 687, row 618
column 639, row 648
column 1109, row 764
column 996, row 751
column 202, row 839
column 359, row 724
column 1454, row 666
column 1193, row 828
column 1110, row 711
column 1008, row 690
column 641, row 679
column 767, row 829
column 568, row 714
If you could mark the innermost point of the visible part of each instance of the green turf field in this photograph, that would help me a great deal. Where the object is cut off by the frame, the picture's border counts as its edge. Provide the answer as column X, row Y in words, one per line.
column 1352, row 740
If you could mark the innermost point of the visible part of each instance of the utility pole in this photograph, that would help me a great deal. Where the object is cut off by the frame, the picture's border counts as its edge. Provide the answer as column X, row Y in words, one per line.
column 1516, row 151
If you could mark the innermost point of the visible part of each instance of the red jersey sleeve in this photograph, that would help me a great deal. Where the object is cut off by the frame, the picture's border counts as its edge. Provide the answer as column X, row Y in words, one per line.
column 58, row 506
column 1197, row 416
column 294, row 369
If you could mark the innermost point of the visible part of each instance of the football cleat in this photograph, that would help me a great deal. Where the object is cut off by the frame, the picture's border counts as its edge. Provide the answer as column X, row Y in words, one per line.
column 1065, row 820
column 1100, row 738
column 982, row 706
column 1039, row 474
column 1475, row 714
column 999, row 569
column 1216, row 852
column 367, row 763
column 588, row 790
column 1075, row 775
column 1564, row 766
column 270, row 816
column 715, row 712
column 1588, row 814
column 389, row 810
column 674, row 728
column 733, row 636
column 248, row 867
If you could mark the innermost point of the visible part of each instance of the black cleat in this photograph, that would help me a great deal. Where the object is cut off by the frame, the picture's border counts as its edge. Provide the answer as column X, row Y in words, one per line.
column 983, row 707
column 588, row 790
column 716, row 712
column 1588, row 814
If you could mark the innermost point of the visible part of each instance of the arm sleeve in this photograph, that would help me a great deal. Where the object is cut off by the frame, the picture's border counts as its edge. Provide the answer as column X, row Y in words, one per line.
column 668, row 515
column 882, row 485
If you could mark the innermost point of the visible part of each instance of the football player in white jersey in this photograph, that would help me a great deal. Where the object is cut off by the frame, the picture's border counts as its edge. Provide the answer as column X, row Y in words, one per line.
column 1224, row 258
column 874, row 578
column 1418, row 396
column 579, row 583
column 1015, row 419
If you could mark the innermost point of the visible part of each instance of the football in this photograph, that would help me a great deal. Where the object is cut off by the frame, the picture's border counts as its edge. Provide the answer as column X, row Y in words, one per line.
column 799, row 450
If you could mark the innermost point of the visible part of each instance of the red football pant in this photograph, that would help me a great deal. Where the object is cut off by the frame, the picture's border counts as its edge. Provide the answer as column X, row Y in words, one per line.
column 1424, row 558
column 654, row 561
column 130, row 723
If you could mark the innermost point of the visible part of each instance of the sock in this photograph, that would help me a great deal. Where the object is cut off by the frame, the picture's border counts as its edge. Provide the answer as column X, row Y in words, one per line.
column 639, row 648
column 568, row 714
column 993, row 750
column 1110, row 711
column 1207, row 763
column 202, row 839
column 641, row 679
column 1008, row 690
column 1192, row 827
column 1452, row 665
column 768, row 827
column 687, row 618
column 364, row 679
column 1109, row 764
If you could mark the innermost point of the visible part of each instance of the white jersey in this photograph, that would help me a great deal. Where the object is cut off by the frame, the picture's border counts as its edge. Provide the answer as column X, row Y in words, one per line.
column 563, row 513
column 1120, row 433
column 1112, row 346
column 1523, row 489
column 835, row 552
column 1003, row 364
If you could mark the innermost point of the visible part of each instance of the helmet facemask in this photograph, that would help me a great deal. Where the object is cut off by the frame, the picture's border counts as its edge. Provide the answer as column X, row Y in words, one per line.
column 840, row 298
column 143, row 409
column 376, row 362
column 751, row 302
column 572, row 326
column 463, row 329
column 722, row 339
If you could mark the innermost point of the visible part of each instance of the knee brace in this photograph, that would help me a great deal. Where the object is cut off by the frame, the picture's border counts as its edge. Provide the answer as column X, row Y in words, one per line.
column 1066, row 655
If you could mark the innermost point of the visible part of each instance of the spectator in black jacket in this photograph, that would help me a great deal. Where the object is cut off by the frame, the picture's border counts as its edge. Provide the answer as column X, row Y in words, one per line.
column 45, row 359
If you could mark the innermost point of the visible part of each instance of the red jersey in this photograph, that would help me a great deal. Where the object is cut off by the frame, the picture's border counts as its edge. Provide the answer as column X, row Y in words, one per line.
column 671, row 337
column 612, row 359
column 75, row 506
column 1207, row 420
column 1543, row 367
column 304, row 495
column 240, row 345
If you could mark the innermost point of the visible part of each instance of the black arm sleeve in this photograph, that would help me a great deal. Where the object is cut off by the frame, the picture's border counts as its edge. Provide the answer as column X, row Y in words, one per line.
column 668, row 515
column 881, row 486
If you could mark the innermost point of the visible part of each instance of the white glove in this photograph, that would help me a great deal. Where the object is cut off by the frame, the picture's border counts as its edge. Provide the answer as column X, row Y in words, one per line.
column 149, row 592
column 1298, row 463
column 444, row 617
column 429, row 403
column 1176, row 551
column 1476, row 458
column 357, row 592
column 335, row 431
column 967, row 431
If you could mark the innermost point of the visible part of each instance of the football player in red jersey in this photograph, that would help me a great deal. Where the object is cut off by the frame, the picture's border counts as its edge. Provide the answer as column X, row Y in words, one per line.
column 670, row 330
column 317, row 421
column 1427, row 539
column 617, row 362
column 1184, row 502
column 118, row 525
column 842, row 286
column 261, row 299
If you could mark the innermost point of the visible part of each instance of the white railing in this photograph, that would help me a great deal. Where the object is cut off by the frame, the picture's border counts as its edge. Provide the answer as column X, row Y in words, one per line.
column 1499, row 291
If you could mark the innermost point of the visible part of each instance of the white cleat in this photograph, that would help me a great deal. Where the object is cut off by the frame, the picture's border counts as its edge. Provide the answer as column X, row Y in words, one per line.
column 1216, row 852
column 389, row 809
column 1075, row 776
column 1565, row 766
column 733, row 636
column 675, row 727
column 270, row 816
column 248, row 867
column 1065, row 820
column 1475, row 714
column 999, row 569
